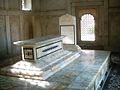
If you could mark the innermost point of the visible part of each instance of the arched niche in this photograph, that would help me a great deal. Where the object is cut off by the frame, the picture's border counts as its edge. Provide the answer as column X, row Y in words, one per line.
column 67, row 25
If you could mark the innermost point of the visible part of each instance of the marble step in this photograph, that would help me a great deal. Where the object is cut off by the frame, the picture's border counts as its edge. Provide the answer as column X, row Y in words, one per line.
column 55, row 68
column 52, row 59
column 34, row 71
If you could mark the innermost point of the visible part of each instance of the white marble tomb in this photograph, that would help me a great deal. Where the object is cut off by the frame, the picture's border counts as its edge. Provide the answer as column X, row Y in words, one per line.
column 41, row 58
column 34, row 49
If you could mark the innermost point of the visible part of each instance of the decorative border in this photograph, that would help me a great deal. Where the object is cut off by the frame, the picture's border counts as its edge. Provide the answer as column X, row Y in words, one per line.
column 31, row 49
column 48, row 49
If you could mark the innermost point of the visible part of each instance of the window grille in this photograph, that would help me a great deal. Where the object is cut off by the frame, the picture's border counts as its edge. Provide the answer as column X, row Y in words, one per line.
column 87, row 28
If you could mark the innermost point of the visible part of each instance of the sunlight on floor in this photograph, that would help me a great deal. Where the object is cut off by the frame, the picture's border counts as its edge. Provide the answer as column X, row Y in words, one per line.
column 43, row 84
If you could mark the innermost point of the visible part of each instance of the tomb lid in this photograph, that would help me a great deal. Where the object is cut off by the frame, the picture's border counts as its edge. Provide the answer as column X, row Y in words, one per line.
column 40, row 40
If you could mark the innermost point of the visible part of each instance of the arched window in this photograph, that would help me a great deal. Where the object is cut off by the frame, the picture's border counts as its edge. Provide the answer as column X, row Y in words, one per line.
column 87, row 27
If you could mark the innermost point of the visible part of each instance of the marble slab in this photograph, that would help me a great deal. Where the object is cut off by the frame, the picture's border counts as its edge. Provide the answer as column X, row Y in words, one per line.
column 41, row 41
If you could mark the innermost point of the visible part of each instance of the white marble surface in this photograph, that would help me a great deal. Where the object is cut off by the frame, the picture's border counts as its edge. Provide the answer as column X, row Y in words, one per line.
column 81, row 74
column 42, row 68
column 35, row 48
column 41, row 41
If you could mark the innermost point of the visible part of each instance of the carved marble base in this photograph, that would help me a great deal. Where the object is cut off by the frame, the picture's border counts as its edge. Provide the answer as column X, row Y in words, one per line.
column 43, row 68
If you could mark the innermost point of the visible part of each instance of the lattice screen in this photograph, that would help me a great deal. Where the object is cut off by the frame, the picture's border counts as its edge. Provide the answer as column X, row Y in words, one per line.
column 87, row 28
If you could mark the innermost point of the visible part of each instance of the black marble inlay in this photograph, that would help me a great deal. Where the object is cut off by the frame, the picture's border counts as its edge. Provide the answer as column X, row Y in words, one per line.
column 50, row 48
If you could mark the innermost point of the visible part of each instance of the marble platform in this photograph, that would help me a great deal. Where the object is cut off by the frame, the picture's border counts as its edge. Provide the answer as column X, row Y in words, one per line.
column 41, row 69
column 42, row 57
column 84, row 73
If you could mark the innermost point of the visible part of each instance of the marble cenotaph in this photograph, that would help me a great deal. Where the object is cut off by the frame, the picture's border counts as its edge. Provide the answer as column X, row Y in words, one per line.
column 41, row 58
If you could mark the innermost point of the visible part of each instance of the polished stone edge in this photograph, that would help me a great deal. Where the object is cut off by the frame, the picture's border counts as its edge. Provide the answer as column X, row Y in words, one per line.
column 39, row 41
